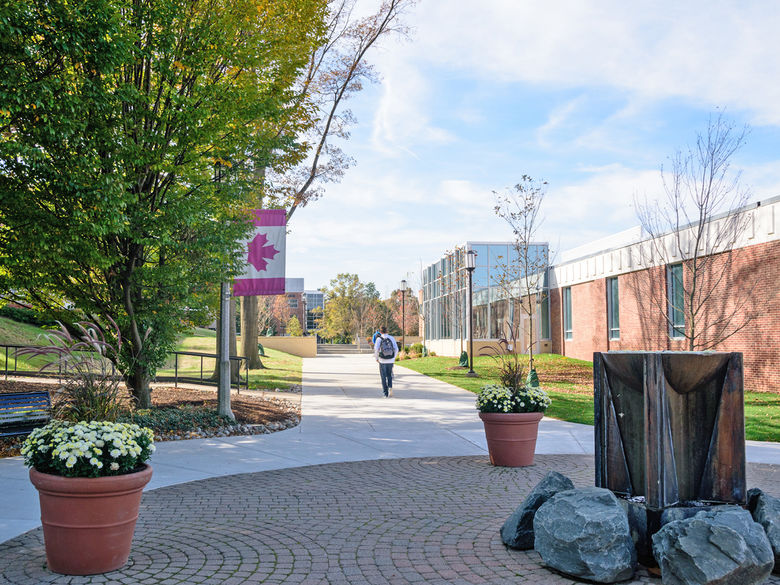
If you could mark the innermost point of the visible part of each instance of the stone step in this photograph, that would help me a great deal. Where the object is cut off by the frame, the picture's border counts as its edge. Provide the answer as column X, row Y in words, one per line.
column 342, row 348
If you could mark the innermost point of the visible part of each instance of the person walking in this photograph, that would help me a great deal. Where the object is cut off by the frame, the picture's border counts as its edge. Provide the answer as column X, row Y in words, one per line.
column 373, row 338
column 385, row 350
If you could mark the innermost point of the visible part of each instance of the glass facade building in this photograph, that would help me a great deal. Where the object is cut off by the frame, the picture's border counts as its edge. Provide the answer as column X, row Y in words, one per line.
column 315, row 304
column 496, row 281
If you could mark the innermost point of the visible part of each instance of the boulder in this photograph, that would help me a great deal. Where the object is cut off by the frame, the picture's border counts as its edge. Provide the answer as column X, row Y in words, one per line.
column 766, row 511
column 716, row 547
column 584, row 533
column 518, row 530
column 684, row 512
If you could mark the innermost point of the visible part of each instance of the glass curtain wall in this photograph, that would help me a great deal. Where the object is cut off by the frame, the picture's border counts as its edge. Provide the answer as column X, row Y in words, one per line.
column 445, row 291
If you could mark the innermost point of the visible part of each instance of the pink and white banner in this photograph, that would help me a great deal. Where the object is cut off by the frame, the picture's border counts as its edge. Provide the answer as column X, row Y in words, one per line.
column 264, row 272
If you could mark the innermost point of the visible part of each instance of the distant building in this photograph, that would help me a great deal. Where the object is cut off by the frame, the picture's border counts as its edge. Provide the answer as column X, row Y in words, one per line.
column 293, row 290
column 596, row 301
column 315, row 307
column 444, row 310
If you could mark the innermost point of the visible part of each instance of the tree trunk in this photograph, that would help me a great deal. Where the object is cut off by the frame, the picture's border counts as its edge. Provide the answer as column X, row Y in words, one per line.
column 234, row 365
column 138, row 381
column 235, row 368
column 249, row 327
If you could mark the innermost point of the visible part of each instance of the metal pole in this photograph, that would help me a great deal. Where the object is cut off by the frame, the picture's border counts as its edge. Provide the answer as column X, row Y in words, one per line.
column 471, row 371
column 223, row 389
column 403, row 319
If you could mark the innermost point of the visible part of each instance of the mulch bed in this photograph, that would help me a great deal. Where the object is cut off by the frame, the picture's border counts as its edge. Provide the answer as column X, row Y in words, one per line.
column 575, row 375
column 249, row 410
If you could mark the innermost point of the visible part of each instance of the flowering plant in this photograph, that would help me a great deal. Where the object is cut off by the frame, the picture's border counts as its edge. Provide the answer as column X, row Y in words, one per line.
column 88, row 449
column 495, row 398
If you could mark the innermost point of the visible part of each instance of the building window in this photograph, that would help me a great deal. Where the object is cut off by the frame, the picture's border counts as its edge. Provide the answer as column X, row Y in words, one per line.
column 293, row 302
column 613, row 308
column 674, row 279
column 544, row 310
column 567, row 328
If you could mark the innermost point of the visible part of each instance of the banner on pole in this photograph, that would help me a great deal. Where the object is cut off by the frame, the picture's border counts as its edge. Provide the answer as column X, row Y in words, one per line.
column 265, row 254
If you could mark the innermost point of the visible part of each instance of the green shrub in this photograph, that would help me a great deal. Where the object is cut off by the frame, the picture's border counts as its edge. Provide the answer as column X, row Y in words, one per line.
column 183, row 418
column 417, row 348
column 24, row 315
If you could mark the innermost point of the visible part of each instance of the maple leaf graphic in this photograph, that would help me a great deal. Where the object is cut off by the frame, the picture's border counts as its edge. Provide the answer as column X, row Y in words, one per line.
column 259, row 250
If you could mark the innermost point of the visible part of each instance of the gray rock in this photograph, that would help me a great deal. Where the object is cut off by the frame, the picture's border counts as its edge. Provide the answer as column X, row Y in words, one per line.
column 765, row 510
column 684, row 512
column 717, row 547
column 584, row 533
column 518, row 530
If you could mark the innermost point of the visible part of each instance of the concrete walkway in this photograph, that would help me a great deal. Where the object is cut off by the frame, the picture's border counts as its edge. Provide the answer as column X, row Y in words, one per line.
column 345, row 418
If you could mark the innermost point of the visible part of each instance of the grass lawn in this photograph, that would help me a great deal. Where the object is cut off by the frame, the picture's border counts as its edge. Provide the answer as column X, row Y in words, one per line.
column 282, row 370
column 15, row 333
column 570, row 385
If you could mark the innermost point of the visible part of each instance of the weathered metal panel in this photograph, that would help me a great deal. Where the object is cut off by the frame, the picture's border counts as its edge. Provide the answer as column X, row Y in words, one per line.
column 670, row 426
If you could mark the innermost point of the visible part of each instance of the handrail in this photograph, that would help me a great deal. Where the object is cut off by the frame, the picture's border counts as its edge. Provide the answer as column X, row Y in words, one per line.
column 176, row 378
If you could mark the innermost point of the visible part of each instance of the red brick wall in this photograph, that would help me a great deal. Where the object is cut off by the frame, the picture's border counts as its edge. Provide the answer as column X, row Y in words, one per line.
column 750, row 284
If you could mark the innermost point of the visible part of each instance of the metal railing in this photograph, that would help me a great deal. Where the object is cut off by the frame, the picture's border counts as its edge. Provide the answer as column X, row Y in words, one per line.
column 187, row 379
column 10, row 352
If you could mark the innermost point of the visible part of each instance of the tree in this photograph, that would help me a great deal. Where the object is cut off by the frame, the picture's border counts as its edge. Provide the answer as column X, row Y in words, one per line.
column 523, row 276
column 280, row 312
column 294, row 327
column 410, row 313
column 250, row 329
column 351, row 306
column 336, row 69
column 692, row 230
column 130, row 137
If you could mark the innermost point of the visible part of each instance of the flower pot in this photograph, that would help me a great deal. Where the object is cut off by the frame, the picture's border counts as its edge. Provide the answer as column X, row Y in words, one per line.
column 511, row 437
column 88, row 523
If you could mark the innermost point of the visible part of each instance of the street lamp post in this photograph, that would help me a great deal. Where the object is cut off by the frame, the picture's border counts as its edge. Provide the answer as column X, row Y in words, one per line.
column 403, row 314
column 471, row 264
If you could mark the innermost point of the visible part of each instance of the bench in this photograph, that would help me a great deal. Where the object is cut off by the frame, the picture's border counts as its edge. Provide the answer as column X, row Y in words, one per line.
column 21, row 412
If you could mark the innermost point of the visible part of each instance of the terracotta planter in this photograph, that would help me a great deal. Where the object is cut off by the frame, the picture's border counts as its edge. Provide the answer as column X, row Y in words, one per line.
column 88, row 523
column 511, row 437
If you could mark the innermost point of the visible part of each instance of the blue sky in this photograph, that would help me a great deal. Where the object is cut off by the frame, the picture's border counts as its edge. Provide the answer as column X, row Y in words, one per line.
column 592, row 97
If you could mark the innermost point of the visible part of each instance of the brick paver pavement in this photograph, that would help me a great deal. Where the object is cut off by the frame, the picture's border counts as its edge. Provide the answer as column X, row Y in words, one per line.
column 392, row 521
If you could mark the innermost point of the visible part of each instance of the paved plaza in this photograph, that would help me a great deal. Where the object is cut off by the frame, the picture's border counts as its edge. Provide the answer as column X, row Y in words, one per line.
column 366, row 490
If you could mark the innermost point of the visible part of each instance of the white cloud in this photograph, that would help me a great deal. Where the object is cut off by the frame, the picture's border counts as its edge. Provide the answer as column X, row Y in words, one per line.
column 401, row 121
column 711, row 53
column 407, row 201
column 557, row 118
column 598, row 206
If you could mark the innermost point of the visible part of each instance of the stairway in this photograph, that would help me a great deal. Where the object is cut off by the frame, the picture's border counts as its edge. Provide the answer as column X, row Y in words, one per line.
column 342, row 348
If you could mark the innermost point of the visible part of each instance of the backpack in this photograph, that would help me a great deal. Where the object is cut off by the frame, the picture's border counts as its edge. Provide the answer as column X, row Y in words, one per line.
column 386, row 349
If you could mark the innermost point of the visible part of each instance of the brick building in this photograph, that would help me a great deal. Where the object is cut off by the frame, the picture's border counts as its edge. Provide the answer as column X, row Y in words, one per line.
column 618, row 294
column 625, row 292
column 293, row 290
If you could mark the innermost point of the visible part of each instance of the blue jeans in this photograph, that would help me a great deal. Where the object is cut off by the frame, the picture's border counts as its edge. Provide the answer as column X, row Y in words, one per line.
column 386, row 373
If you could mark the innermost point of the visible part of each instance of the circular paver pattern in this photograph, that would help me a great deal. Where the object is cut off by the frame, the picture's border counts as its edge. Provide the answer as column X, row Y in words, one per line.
column 396, row 521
